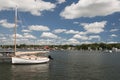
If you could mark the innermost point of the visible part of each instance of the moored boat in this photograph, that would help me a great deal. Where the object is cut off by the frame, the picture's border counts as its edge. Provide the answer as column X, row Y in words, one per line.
column 29, row 60
column 18, row 58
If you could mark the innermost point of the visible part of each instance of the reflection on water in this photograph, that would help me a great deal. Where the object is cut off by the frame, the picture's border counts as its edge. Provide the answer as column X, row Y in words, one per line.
column 67, row 65
column 85, row 65
column 29, row 72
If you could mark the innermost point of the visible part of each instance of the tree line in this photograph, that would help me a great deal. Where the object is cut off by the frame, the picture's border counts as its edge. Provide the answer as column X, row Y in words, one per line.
column 94, row 46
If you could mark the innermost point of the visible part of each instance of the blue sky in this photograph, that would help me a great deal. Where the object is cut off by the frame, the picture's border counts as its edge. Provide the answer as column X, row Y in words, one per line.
column 47, row 22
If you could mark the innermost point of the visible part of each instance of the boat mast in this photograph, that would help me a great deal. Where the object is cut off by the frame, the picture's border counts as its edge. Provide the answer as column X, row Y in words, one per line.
column 15, row 30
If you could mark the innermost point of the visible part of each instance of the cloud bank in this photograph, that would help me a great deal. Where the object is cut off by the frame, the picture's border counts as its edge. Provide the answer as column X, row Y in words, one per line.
column 90, row 8
column 35, row 7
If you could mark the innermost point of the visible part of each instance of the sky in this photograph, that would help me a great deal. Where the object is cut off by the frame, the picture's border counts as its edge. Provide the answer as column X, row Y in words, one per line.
column 59, row 22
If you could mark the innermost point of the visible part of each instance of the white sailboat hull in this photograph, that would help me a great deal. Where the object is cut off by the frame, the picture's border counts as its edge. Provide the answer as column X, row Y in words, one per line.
column 26, row 59
column 37, row 60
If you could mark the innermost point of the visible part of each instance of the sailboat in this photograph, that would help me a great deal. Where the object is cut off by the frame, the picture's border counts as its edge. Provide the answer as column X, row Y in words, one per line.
column 26, row 59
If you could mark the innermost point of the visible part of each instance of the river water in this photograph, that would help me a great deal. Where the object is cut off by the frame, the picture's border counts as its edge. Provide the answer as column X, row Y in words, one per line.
column 67, row 65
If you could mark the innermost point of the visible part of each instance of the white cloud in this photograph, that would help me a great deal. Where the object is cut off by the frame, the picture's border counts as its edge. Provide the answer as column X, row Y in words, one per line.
column 72, row 32
column 114, row 30
column 24, row 36
column 75, row 22
column 38, row 28
column 28, row 36
column 113, row 35
column 48, row 35
column 2, row 38
column 82, row 33
column 91, row 8
column 6, row 24
column 86, row 42
column 73, row 41
column 86, row 38
column 77, row 36
column 112, row 42
column 32, row 6
column 61, row 1
column 67, row 31
column 25, row 30
column 17, row 36
column 96, row 27
column 42, row 42
column 59, row 30
column 94, row 37
column 48, row 41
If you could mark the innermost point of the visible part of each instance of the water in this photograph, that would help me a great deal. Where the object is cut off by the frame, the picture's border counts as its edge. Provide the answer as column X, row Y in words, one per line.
column 67, row 65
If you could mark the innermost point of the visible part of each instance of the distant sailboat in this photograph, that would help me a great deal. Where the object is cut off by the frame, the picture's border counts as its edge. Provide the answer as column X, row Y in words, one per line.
column 31, row 59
